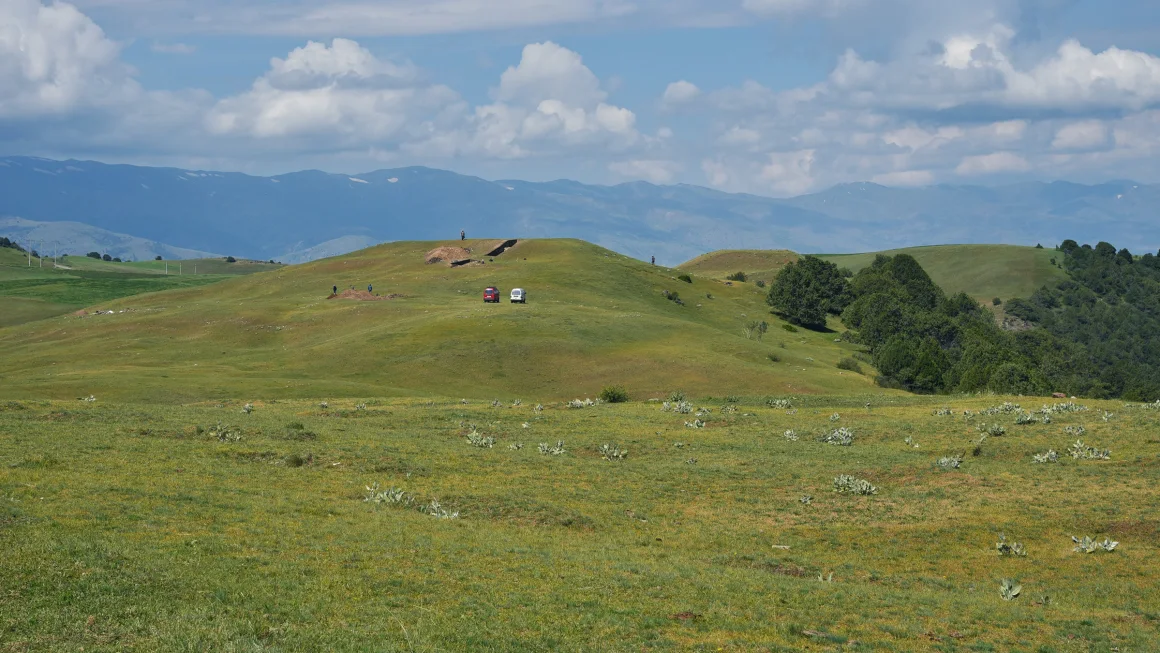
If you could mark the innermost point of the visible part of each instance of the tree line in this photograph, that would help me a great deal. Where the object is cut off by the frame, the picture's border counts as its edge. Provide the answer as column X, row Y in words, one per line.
column 1094, row 335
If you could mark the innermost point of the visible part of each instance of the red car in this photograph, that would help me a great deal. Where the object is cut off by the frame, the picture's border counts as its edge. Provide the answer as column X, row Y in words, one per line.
column 491, row 294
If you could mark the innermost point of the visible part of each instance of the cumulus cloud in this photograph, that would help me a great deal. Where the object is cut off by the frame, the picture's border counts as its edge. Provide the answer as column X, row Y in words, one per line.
column 795, row 7
column 1085, row 135
column 680, row 92
column 55, row 60
column 986, row 164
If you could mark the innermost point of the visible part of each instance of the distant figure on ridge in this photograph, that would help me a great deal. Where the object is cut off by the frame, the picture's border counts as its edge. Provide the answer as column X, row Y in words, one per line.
column 334, row 291
column 462, row 235
column 369, row 289
column 654, row 260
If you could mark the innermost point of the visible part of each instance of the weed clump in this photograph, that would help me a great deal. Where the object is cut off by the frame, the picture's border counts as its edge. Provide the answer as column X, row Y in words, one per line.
column 846, row 484
column 1009, row 589
column 850, row 365
column 1006, row 548
column 393, row 496
column 779, row 404
column 790, row 435
column 614, row 394
column 548, row 450
column 1087, row 545
column 297, row 431
column 681, row 407
column 673, row 296
column 612, row 453
column 1048, row 457
column 789, row 327
column 476, row 439
column 842, row 437
column 695, row 424
column 1081, row 451
column 950, row 462
column 581, row 403
column 223, row 433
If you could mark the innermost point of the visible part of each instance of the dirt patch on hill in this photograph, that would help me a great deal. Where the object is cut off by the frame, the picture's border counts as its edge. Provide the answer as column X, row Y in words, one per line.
column 363, row 296
column 449, row 255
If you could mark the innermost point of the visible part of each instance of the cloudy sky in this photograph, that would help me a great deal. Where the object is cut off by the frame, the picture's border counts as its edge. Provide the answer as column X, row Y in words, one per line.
column 776, row 97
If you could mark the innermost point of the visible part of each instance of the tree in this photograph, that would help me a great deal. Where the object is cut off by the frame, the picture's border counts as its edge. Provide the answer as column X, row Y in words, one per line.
column 96, row 255
column 106, row 257
column 158, row 258
column 807, row 290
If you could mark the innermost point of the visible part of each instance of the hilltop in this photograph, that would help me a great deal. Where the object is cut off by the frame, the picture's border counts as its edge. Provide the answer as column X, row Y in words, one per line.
column 982, row 271
column 594, row 318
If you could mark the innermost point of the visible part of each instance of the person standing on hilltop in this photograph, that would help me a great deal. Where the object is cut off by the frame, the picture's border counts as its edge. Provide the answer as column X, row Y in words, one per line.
column 462, row 235
column 369, row 289
column 654, row 260
column 334, row 291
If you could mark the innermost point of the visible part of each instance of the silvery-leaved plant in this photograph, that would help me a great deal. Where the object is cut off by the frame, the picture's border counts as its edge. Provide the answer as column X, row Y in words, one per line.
column 223, row 433
column 323, row 405
column 835, row 417
column 1009, row 589
column 1004, row 408
column 806, row 499
column 943, row 412
column 1107, row 417
column 435, row 509
column 846, row 484
column 496, row 403
column 1088, row 545
column 950, row 462
column 1006, row 548
column 1081, row 451
column 1077, row 431
column 1066, row 407
column 780, row 404
column 841, row 437
column 701, row 412
column 539, row 408
column 477, row 439
column 612, row 453
column 695, row 424
column 1047, row 457
column 516, row 446
column 248, row 408
column 729, row 410
column 909, row 441
column 89, row 399
column 994, row 430
column 549, row 450
column 790, row 435
column 517, row 403
column 360, row 406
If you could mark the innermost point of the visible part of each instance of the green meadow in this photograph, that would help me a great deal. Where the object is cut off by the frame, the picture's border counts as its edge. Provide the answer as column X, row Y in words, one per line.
column 201, row 527
column 243, row 463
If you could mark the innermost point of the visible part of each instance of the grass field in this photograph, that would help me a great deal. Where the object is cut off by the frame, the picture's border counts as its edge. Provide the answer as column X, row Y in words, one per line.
column 135, row 527
column 594, row 318
column 42, row 290
column 982, row 271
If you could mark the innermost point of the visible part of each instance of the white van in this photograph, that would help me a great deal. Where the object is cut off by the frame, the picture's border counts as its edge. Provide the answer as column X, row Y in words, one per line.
column 519, row 296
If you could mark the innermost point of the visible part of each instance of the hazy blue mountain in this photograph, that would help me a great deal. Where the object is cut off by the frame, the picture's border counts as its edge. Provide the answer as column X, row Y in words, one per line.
column 308, row 214
column 52, row 238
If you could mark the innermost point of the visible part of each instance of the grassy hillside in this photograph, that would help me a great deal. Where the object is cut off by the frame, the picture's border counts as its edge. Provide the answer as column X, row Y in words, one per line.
column 146, row 528
column 982, row 271
column 761, row 264
column 593, row 318
column 44, row 290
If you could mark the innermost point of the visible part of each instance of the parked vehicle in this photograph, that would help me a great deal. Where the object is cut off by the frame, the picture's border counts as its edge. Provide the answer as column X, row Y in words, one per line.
column 491, row 295
column 519, row 296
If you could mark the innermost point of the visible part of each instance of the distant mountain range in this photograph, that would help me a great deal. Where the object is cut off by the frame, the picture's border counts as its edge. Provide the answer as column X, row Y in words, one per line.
column 311, row 214
column 51, row 238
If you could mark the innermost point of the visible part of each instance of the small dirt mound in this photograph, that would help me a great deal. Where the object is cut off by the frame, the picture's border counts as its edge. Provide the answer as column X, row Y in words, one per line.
column 362, row 296
column 448, row 255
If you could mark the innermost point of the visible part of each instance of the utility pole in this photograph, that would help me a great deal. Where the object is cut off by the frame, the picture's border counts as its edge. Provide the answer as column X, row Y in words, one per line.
column 167, row 268
column 29, row 252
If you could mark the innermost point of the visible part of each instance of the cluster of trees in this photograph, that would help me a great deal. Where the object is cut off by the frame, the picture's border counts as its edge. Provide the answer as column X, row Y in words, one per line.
column 106, row 257
column 10, row 244
column 922, row 340
column 1109, row 307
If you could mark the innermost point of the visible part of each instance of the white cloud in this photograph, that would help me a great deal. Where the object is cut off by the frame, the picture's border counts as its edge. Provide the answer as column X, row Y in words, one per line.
column 1085, row 135
column 172, row 48
column 794, row 7
column 549, row 71
column 740, row 136
column 680, row 92
column 985, row 164
column 54, row 60
column 656, row 171
column 905, row 178
column 789, row 173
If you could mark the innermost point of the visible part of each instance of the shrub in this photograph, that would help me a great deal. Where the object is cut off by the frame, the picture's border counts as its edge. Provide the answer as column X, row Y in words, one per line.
column 96, row 255
column 106, row 257
column 738, row 276
column 997, row 302
column 846, row 484
column 759, row 283
column 157, row 258
column 230, row 259
column 773, row 357
column 673, row 296
column 116, row 259
column 685, row 277
column 676, row 396
column 789, row 327
column 850, row 365
column 298, row 460
column 614, row 394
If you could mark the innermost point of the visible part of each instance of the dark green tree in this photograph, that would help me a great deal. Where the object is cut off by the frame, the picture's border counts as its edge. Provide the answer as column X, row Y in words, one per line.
column 807, row 290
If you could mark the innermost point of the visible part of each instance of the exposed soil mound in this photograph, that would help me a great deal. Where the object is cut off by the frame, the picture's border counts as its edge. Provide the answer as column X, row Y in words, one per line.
column 362, row 296
column 448, row 255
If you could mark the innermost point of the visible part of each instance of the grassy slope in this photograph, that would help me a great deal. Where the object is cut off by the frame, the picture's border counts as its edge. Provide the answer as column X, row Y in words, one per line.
column 761, row 264
column 41, row 291
column 982, row 271
column 124, row 529
column 594, row 318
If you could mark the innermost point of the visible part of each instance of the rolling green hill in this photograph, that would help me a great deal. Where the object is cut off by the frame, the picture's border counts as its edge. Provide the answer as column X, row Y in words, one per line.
column 44, row 289
column 981, row 271
column 594, row 318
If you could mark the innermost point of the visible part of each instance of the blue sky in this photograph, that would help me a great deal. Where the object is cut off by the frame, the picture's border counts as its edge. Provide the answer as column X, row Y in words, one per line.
column 775, row 97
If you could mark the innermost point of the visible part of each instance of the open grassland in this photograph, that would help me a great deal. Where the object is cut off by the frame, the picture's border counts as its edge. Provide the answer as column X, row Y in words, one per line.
column 593, row 318
column 203, row 527
column 763, row 264
column 30, row 293
column 982, row 271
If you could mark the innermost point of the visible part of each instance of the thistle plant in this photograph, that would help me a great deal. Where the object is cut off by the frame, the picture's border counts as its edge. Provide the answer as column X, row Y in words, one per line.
column 676, row 397
column 994, row 430
column 701, row 412
column 943, row 412
column 581, row 403
column 950, row 462
column 612, row 453
column 477, row 439
column 223, row 433
column 89, row 399
column 835, row 417
column 1077, row 431
column 496, row 403
column 1088, row 545
column 549, row 450
column 516, row 446
column 846, row 484
column 1081, row 451
column 1009, row 589
column 729, row 410
column 539, row 408
column 842, row 437
column 360, row 406
column 248, row 408
column 1107, row 417
column 323, row 405
column 790, row 435
column 435, row 509
column 1024, row 418
column 1006, row 548
column 517, row 403
column 806, row 499
column 1048, row 457
column 695, row 424
column 909, row 441
column 1002, row 409
column 780, row 404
